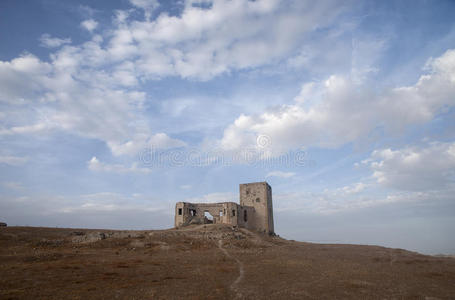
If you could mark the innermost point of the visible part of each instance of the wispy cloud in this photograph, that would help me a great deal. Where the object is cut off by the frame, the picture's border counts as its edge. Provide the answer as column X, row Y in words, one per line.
column 428, row 167
column 95, row 165
column 13, row 160
column 213, row 198
column 13, row 185
column 280, row 174
column 347, row 112
column 53, row 42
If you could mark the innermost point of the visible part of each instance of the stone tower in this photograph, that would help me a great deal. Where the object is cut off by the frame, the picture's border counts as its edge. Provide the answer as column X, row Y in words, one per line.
column 259, row 196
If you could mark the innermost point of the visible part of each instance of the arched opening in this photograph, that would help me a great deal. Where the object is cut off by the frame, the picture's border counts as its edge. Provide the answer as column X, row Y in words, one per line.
column 245, row 217
column 208, row 218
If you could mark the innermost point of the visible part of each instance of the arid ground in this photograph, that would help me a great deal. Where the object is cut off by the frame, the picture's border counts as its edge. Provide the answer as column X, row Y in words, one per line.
column 209, row 262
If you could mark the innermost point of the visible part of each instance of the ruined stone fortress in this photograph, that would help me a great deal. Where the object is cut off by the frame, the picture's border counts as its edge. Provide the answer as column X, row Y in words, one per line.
column 255, row 211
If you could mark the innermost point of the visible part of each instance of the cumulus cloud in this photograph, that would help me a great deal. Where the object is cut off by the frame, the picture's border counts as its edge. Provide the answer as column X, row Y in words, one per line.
column 93, row 89
column 21, row 78
column 353, row 188
column 161, row 140
column 53, row 42
column 415, row 168
column 205, row 41
column 89, row 24
column 95, row 165
column 73, row 92
column 338, row 111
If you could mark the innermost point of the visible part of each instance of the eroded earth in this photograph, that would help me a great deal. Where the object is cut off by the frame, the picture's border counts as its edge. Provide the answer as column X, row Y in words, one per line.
column 209, row 262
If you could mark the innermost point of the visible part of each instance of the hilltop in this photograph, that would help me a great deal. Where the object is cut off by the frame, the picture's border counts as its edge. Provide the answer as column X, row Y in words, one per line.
column 211, row 262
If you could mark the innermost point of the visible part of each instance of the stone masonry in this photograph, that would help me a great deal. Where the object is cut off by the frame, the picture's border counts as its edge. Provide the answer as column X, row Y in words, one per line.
column 254, row 212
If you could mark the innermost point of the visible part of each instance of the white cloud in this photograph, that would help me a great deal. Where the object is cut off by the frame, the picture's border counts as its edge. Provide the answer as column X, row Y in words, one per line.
column 126, row 74
column 13, row 160
column 97, row 210
column 95, row 165
column 280, row 174
column 144, row 4
column 21, row 78
column 186, row 186
column 350, row 192
column 141, row 142
column 203, row 42
column 365, row 52
column 337, row 111
column 161, row 140
column 87, row 10
column 92, row 89
column 415, row 168
column 332, row 201
column 89, row 24
column 213, row 198
column 347, row 192
column 50, row 42
column 108, row 202
column 354, row 188
column 74, row 93
column 39, row 127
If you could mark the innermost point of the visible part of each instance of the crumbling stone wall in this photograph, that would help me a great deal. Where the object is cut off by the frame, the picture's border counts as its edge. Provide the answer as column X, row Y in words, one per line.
column 194, row 213
column 259, row 196
column 255, row 211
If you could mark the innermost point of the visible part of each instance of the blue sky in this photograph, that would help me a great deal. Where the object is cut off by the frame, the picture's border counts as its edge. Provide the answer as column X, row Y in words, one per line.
column 112, row 111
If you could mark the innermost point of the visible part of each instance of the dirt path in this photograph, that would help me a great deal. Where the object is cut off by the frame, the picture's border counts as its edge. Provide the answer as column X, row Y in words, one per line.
column 234, row 285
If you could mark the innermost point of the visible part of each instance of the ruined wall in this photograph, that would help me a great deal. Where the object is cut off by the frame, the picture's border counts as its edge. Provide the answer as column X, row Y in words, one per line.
column 255, row 211
column 180, row 216
column 270, row 210
column 259, row 196
column 246, row 217
column 194, row 213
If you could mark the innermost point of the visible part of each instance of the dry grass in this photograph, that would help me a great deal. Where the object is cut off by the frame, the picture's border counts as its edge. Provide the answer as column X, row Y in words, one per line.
column 47, row 263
